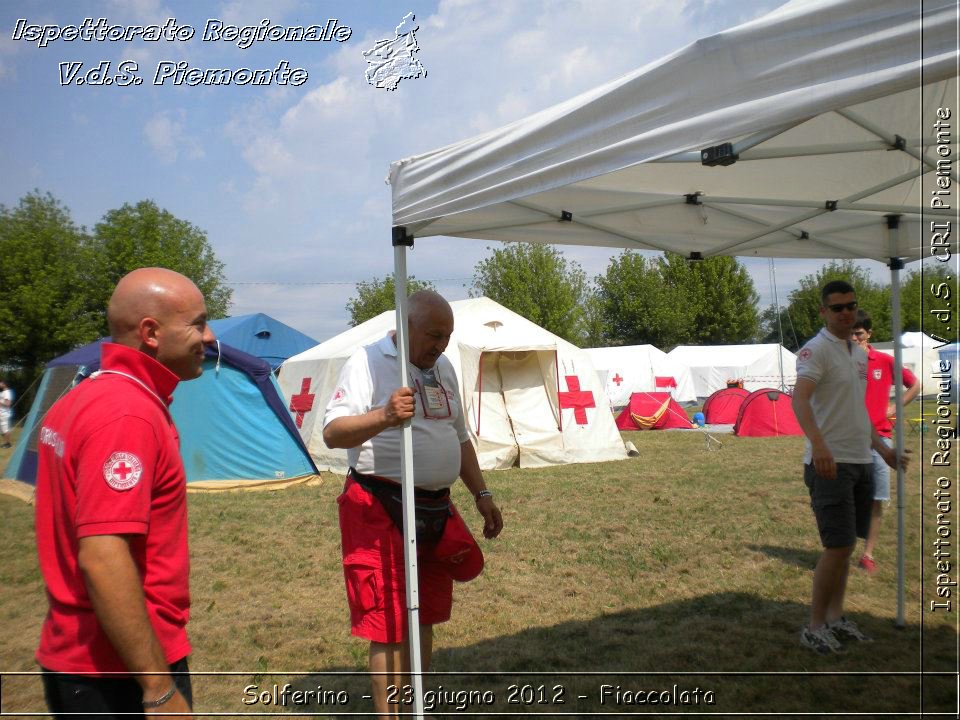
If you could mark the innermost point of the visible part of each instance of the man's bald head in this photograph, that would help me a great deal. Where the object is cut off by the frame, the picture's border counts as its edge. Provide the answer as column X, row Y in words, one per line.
column 424, row 303
column 161, row 313
column 147, row 292
column 430, row 320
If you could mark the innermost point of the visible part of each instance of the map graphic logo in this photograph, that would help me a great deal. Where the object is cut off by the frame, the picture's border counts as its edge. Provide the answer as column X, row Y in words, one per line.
column 392, row 60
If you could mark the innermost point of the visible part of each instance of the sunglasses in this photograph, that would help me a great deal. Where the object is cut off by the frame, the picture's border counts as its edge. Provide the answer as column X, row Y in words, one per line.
column 840, row 307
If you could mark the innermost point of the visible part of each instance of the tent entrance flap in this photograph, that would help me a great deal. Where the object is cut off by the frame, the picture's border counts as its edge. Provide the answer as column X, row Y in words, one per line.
column 513, row 413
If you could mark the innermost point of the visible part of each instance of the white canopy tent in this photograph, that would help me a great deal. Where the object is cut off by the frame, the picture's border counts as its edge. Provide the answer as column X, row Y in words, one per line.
column 764, row 365
column 806, row 133
column 641, row 368
column 530, row 398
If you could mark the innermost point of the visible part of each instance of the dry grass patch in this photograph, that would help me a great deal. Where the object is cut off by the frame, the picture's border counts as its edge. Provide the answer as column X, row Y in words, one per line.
column 682, row 561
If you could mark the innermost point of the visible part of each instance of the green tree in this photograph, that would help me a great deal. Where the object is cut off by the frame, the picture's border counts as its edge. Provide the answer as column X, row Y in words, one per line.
column 769, row 330
column 638, row 308
column 719, row 294
column 537, row 282
column 45, row 272
column 143, row 235
column 925, row 293
column 594, row 327
column 804, row 305
column 377, row 296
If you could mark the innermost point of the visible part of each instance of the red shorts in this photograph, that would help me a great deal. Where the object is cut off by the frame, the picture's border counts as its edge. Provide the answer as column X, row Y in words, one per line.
column 373, row 569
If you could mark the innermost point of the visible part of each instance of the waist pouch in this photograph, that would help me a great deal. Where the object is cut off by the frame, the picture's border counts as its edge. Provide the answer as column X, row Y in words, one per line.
column 431, row 507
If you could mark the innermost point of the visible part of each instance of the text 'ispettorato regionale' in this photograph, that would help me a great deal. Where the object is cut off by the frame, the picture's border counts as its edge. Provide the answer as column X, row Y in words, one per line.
column 128, row 72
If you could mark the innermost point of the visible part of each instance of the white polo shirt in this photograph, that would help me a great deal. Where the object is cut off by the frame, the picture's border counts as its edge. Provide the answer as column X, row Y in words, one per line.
column 367, row 381
column 839, row 368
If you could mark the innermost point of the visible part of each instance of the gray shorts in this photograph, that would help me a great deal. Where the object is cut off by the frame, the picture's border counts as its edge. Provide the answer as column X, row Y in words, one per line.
column 881, row 474
column 842, row 506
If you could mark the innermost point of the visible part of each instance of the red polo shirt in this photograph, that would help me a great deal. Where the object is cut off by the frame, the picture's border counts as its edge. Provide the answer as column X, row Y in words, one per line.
column 109, row 464
column 879, row 381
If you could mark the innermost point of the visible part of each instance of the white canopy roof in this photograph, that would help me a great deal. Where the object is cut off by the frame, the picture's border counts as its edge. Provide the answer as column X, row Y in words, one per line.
column 821, row 100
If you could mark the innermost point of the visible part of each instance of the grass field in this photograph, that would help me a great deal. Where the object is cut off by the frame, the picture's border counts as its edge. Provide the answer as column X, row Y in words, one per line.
column 683, row 567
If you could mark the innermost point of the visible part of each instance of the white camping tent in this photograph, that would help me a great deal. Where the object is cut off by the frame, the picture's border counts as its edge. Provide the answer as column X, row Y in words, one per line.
column 759, row 366
column 530, row 397
column 921, row 355
column 636, row 368
column 809, row 132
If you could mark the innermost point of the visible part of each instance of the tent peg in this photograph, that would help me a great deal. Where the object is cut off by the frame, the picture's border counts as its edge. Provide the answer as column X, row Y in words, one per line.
column 400, row 237
column 721, row 154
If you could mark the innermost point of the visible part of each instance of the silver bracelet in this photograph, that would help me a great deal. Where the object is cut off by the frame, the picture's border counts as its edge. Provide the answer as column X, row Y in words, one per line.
column 162, row 699
column 483, row 494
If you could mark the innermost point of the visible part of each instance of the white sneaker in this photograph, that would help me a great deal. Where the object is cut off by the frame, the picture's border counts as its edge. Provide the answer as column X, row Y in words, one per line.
column 821, row 640
column 848, row 630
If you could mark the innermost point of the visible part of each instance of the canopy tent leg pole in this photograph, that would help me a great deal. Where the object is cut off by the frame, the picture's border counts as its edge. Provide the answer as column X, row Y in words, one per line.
column 401, row 241
column 896, row 265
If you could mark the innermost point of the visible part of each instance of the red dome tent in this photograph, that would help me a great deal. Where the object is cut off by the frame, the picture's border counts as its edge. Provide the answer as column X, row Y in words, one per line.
column 722, row 407
column 652, row 411
column 767, row 413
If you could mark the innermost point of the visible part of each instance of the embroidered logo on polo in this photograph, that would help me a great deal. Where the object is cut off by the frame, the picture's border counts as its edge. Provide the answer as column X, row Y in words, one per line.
column 122, row 470
column 804, row 354
column 877, row 373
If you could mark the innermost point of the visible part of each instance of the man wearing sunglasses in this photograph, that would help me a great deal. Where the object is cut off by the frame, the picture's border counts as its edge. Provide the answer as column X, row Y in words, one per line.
column 365, row 417
column 880, row 409
column 828, row 400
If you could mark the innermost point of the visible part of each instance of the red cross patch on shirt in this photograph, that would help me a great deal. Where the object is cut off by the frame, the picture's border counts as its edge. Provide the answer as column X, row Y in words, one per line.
column 122, row 470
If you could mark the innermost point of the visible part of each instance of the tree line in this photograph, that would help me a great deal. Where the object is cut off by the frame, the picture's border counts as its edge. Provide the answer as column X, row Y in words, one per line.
column 57, row 277
column 668, row 300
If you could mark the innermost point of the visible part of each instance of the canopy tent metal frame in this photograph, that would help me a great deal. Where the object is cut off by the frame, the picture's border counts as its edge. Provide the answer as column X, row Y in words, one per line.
column 663, row 182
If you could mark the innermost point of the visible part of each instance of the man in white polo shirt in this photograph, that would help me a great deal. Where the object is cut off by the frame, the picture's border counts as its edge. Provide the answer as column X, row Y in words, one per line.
column 365, row 416
column 829, row 404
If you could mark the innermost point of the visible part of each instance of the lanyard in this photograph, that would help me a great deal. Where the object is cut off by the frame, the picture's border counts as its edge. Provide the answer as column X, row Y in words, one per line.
column 137, row 380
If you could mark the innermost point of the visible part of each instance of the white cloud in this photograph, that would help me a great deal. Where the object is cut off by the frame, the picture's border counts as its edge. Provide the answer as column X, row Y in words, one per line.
column 167, row 136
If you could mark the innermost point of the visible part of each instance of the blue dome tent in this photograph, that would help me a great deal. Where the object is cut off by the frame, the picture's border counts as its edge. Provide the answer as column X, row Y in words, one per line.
column 235, row 429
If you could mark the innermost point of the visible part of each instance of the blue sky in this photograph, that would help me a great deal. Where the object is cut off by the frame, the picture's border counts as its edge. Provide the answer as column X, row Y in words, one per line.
column 288, row 182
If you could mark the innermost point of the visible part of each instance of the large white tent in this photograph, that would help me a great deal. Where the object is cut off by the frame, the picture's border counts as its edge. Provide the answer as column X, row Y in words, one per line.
column 531, row 398
column 641, row 368
column 808, row 133
column 764, row 365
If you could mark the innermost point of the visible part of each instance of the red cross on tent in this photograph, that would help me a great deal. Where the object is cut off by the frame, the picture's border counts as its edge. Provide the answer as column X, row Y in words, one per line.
column 302, row 403
column 577, row 399
column 617, row 379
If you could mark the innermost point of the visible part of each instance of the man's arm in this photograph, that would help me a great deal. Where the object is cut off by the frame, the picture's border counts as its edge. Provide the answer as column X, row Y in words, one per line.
column 908, row 397
column 888, row 453
column 822, row 457
column 351, row 431
column 473, row 479
column 116, row 593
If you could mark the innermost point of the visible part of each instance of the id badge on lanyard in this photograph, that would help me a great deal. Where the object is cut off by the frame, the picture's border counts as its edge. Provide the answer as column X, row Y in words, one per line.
column 433, row 397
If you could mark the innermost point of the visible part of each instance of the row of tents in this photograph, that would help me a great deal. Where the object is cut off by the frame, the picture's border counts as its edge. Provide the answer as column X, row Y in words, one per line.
column 531, row 399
